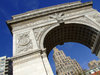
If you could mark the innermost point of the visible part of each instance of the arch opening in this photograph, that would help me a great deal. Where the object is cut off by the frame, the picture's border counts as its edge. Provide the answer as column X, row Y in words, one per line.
column 79, row 52
column 79, row 33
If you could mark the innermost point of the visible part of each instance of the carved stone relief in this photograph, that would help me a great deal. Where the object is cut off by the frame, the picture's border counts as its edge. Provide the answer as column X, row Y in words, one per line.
column 38, row 32
column 97, row 17
column 24, row 42
column 57, row 16
column 83, row 19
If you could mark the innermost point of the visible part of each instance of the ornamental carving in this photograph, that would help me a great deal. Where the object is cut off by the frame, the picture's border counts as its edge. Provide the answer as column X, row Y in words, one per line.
column 38, row 31
column 83, row 19
column 21, row 26
column 97, row 17
column 57, row 16
column 24, row 43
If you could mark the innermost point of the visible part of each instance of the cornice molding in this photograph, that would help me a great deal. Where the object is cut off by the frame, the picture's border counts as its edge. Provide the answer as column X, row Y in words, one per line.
column 27, row 15
column 46, row 9
column 25, row 54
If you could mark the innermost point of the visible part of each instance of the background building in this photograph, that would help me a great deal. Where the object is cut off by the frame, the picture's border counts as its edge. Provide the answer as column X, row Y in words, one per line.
column 94, row 68
column 94, row 63
column 93, row 71
column 65, row 65
column 5, row 66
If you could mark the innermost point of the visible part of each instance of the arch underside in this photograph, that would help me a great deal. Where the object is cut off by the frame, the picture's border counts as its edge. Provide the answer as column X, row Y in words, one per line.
column 70, row 33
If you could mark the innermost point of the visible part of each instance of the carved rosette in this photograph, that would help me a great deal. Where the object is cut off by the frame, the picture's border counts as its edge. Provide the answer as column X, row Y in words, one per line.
column 24, row 43
column 57, row 16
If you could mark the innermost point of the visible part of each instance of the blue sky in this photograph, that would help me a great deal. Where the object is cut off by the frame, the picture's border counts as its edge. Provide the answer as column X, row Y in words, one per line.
column 12, row 7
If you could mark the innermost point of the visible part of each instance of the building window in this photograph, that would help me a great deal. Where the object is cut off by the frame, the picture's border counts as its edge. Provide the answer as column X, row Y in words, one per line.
column 71, row 62
column 60, row 70
column 89, row 72
column 99, row 68
column 94, row 71
column 2, row 65
column 1, row 68
column 71, row 72
column 62, row 52
column 58, row 57
column 1, row 71
column 58, row 53
column 68, row 73
column 60, row 64
column 3, row 59
column 2, row 62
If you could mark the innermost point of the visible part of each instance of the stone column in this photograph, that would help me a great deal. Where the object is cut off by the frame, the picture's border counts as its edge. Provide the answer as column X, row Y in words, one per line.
column 46, row 63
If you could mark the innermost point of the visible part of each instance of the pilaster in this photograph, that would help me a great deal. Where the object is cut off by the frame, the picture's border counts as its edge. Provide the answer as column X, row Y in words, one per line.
column 30, row 63
column 46, row 63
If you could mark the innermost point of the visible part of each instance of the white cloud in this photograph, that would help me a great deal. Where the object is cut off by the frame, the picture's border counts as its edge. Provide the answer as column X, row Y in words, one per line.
column 2, row 10
column 69, row 45
column 84, row 65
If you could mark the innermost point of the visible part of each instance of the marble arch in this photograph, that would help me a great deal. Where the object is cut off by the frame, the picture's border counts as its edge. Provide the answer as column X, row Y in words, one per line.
column 80, row 33
column 36, row 32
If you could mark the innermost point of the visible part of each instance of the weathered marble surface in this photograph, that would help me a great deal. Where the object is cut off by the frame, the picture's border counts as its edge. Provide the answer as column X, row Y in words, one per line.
column 29, row 30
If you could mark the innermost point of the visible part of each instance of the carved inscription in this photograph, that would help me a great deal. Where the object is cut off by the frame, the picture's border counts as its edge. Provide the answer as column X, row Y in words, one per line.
column 24, row 43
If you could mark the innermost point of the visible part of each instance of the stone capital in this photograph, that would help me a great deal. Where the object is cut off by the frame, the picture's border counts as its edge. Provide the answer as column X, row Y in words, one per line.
column 43, row 53
column 18, row 56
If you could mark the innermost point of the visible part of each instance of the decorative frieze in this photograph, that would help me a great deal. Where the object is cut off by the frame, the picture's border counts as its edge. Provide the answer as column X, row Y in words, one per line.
column 21, row 26
column 24, row 42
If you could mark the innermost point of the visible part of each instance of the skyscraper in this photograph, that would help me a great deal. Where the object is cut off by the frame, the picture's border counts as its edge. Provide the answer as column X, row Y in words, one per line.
column 65, row 65
column 5, row 66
